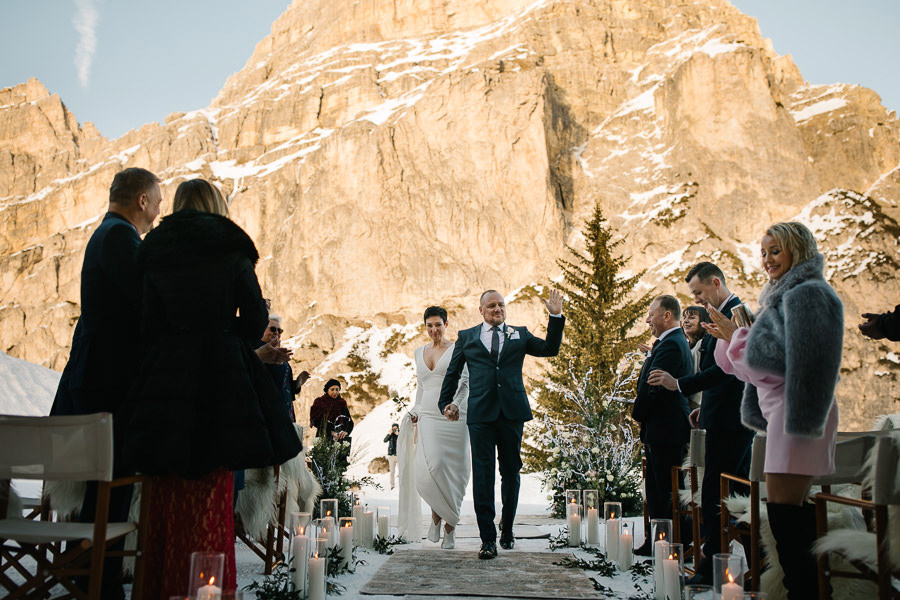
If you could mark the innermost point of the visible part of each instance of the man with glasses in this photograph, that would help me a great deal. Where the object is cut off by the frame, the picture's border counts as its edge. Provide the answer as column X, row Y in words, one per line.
column 277, row 359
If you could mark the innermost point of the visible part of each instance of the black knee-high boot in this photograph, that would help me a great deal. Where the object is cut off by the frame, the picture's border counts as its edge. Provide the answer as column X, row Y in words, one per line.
column 794, row 529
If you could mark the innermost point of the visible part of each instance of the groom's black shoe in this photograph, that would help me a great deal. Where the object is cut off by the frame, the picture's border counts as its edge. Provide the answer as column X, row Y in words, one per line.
column 488, row 551
column 507, row 539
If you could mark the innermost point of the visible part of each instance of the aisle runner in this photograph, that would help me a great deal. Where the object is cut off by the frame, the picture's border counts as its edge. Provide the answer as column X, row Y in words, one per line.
column 455, row 573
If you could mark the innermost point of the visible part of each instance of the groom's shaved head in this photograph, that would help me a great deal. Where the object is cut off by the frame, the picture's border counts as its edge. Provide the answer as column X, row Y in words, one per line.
column 485, row 293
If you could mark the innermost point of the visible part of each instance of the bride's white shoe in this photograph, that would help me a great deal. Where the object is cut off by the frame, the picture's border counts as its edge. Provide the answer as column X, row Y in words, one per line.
column 434, row 532
column 449, row 542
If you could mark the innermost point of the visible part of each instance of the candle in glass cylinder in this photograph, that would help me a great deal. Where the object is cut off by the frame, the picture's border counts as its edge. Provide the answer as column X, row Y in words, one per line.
column 672, row 568
column 357, row 513
column 612, row 538
column 593, row 526
column 299, row 561
column 732, row 590
column 626, row 546
column 346, row 530
column 209, row 591
column 368, row 531
column 317, row 570
column 660, row 551
column 573, row 523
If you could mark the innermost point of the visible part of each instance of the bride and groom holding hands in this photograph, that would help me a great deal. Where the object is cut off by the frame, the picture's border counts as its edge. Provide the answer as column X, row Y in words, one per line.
column 471, row 398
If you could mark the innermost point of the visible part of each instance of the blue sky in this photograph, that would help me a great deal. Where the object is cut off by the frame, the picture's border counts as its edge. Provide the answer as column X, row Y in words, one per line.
column 139, row 61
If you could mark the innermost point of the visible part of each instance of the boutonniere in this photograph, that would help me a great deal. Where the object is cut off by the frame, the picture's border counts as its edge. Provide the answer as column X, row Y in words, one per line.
column 512, row 333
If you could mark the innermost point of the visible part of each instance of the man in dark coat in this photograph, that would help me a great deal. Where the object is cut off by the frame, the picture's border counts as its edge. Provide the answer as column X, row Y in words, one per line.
column 276, row 357
column 663, row 414
column 105, row 355
column 497, row 407
column 727, row 440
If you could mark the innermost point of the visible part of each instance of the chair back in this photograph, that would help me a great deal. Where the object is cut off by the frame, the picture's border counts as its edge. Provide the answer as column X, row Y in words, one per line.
column 758, row 458
column 849, row 458
column 58, row 448
column 697, row 450
column 886, row 488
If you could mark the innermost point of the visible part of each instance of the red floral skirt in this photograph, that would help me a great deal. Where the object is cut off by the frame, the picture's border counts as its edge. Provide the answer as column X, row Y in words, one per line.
column 187, row 516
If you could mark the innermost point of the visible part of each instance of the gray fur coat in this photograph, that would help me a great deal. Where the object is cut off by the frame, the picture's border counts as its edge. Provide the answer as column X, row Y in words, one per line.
column 798, row 333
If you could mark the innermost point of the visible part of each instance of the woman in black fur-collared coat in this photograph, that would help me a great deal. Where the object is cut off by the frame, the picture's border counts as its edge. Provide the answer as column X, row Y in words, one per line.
column 203, row 404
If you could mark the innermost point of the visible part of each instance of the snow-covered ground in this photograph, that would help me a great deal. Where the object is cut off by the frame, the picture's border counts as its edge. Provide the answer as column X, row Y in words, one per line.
column 25, row 388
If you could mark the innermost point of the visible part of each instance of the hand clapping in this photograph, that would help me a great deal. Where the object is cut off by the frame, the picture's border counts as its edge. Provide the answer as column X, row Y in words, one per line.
column 721, row 327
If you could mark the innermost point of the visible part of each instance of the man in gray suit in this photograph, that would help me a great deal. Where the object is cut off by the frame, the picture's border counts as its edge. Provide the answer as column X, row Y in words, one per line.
column 498, row 406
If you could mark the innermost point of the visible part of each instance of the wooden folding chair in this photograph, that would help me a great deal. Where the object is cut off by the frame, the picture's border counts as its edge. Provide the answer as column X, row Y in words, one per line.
column 696, row 459
column 76, row 448
column 885, row 491
column 730, row 528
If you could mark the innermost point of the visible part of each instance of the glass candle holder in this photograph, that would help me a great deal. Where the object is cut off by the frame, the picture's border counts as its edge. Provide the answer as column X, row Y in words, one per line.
column 661, row 535
column 300, row 522
column 572, row 497
column 328, row 508
column 345, row 532
column 673, row 571
column 626, row 547
column 325, row 529
column 384, row 522
column 612, row 519
column 206, row 575
column 317, row 563
column 357, row 510
column 728, row 576
column 591, row 503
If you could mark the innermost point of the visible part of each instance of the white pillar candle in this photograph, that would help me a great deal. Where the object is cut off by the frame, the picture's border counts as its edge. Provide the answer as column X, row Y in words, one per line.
column 357, row 514
column 347, row 544
column 660, row 552
column 672, row 579
column 574, row 524
column 732, row 591
column 329, row 526
column 384, row 526
column 612, row 540
column 299, row 557
column 625, row 548
column 316, row 578
column 210, row 591
column 368, row 529
column 593, row 526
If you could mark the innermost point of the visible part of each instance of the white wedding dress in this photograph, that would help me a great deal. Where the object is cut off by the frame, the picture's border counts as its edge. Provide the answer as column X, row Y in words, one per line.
column 437, row 457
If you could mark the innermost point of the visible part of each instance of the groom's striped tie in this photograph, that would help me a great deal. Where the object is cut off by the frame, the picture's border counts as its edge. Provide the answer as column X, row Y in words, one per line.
column 495, row 343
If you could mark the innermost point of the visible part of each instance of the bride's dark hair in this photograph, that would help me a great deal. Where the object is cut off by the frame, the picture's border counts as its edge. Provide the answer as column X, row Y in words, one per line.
column 435, row 311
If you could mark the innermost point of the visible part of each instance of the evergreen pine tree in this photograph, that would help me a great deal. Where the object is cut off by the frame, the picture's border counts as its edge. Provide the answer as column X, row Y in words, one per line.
column 600, row 311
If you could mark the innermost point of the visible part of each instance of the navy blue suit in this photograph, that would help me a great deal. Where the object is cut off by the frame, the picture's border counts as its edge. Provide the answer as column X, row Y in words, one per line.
column 727, row 440
column 105, row 357
column 105, row 347
column 497, row 411
column 663, row 416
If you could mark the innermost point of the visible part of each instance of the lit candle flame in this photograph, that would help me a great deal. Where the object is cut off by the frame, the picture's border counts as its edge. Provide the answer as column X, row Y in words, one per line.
column 348, row 524
column 662, row 535
column 212, row 580
column 730, row 578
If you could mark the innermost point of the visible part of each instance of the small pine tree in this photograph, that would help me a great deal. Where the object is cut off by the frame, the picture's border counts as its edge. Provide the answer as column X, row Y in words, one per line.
column 600, row 312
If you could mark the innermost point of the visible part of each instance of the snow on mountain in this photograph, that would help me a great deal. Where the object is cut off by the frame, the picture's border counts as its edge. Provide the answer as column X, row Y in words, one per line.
column 26, row 388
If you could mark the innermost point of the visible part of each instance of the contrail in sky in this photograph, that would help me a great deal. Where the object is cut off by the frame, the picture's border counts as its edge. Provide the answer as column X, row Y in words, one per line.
column 85, row 22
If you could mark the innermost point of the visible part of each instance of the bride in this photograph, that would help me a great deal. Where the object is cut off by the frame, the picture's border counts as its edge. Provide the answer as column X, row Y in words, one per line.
column 442, row 461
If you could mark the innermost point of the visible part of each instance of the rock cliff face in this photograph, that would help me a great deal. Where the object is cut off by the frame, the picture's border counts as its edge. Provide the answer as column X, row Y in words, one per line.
column 386, row 155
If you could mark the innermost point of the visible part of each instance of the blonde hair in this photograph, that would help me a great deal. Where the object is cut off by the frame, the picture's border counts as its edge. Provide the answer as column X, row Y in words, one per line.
column 199, row 194
column 795, row 238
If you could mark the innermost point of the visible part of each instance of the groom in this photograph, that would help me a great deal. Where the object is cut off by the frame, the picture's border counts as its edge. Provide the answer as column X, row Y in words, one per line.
column 498, row 406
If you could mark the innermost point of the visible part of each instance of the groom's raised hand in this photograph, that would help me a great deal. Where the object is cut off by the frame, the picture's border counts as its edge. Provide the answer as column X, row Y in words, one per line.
column 553, row 302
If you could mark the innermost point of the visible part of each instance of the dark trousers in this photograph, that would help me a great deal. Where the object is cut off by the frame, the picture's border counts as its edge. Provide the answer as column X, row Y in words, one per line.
column 660, row 460
column 501, row 438
column 727, row 451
